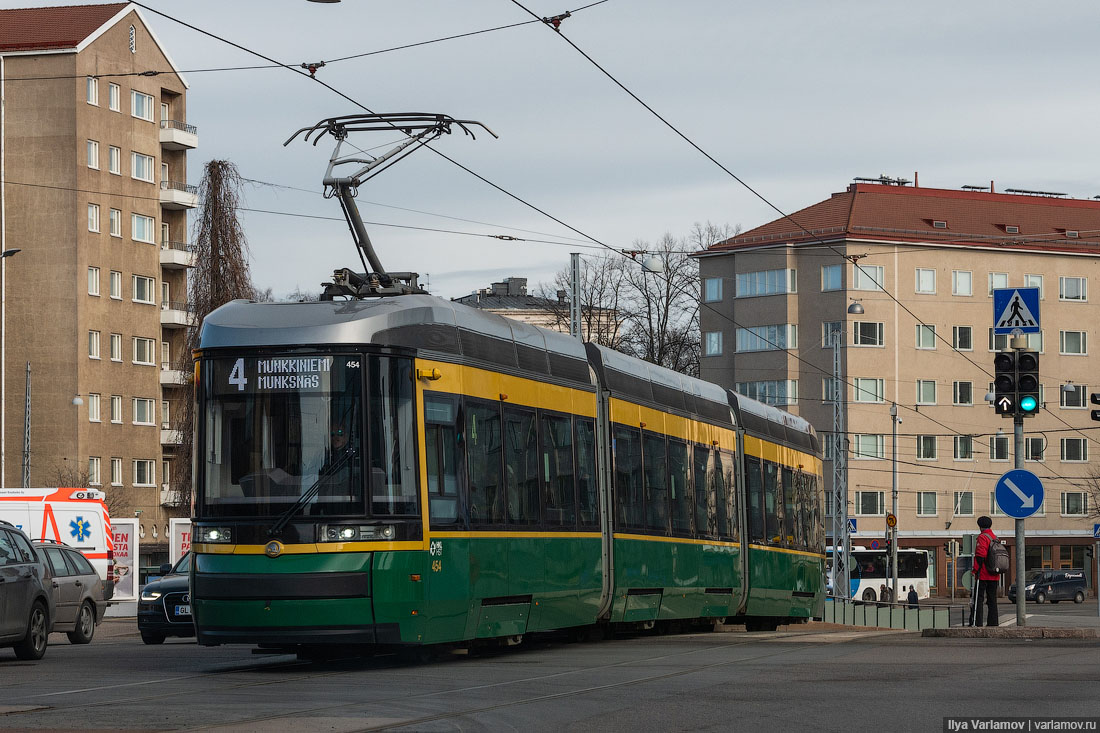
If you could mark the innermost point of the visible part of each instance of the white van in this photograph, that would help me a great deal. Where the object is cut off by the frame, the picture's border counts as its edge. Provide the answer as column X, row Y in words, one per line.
column 75, row 517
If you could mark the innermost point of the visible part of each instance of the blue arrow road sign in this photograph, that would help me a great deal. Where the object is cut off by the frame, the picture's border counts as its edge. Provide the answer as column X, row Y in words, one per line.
column 851, row 526
column 1016, row 309
column 1019, row 493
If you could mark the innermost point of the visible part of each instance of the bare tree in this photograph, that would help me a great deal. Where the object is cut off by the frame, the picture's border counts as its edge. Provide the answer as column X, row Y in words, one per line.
column 601, row 291
column 220, row 275
column 69, row 474
column 1091, row 486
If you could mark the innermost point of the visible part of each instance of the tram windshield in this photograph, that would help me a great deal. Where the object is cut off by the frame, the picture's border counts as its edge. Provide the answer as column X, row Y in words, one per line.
column 336, row 428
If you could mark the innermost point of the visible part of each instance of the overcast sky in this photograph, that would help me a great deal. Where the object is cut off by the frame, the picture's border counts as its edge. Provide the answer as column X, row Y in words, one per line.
column 796, row 98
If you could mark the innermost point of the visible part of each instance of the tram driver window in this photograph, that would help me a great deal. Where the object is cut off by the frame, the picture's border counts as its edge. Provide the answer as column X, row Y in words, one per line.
column 392, row 429
column 441, row 458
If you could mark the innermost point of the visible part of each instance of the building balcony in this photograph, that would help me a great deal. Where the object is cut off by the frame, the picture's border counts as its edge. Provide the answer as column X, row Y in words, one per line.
column 176, row 135
column 174, row 314
column 176, row 255
column 167, row 496
column 178, row 196
column 169, row 436
column 170, row 376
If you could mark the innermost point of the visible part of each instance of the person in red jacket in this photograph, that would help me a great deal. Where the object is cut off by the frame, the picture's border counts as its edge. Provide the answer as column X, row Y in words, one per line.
column 987, row 581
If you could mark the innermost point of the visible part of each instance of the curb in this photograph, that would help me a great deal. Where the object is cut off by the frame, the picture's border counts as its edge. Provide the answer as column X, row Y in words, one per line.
column 1009, row 633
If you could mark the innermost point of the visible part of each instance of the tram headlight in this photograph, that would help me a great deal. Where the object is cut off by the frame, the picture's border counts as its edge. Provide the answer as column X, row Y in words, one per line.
column 353, row 533
column 217, row 535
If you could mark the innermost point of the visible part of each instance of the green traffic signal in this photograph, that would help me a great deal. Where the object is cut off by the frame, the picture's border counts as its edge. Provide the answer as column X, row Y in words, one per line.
column 1029, row 404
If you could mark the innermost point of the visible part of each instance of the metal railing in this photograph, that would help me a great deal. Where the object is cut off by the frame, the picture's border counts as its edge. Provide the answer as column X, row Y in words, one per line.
column 179, row 246
column 176, row 305
column 178, row 186
column 178, row 125
column 893, row 615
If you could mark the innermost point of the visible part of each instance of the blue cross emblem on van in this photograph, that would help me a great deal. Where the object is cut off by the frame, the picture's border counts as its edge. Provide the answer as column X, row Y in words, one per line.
column 81, row 529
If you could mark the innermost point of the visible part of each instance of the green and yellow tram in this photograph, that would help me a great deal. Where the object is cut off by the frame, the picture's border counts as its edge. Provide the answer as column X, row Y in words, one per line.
column 408, row 470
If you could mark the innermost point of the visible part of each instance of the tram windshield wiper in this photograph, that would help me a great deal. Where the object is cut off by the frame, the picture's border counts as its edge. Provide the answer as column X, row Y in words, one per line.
column 344, row 459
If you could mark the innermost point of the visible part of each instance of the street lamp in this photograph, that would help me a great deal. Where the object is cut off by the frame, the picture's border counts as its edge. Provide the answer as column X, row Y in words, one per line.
column 4, row 361
column 894, row 419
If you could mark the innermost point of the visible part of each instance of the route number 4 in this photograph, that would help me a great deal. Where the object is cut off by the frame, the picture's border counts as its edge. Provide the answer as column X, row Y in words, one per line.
column 236, row 375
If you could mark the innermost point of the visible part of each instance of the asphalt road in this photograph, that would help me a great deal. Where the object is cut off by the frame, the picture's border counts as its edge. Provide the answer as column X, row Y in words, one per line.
column 797, row 679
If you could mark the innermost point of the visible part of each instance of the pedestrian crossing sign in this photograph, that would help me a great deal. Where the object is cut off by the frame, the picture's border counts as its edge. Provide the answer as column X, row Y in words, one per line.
column 1015, row 310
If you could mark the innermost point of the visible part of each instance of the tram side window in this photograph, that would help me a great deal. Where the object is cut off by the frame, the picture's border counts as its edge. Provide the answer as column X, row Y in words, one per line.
column 392, row 486
column 679, row 488
column 722, row 493
column 729, row 466
column 755, row 485
column 704, row 493
column 656, row 483
column 483, row 461
column 521, row 459
column 771, row 502
column 556, row 455
column 789, row 519
column 801, row 515
column 817, row 523
column 586, row 472
column 441, row 432
column 628, row 477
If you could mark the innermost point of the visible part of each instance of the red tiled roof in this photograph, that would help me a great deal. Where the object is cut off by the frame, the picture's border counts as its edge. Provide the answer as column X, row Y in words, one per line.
column 901, row 213
column 42, row 29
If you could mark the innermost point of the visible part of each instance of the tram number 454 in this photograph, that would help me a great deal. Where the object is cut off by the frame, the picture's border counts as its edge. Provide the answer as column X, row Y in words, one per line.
column 435, row 549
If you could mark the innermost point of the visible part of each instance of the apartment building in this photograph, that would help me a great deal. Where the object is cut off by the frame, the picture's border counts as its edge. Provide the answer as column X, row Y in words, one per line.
column 921, row 263
column 93, row 210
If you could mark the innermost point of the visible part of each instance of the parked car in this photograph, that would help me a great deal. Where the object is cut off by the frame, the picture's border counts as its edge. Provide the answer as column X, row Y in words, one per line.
column 1041, row 586
column 26, row 603
column 79, row 594
column 164, row 607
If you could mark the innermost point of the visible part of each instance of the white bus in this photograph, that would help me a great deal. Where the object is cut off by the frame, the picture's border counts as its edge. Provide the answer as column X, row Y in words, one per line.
column 870, row 571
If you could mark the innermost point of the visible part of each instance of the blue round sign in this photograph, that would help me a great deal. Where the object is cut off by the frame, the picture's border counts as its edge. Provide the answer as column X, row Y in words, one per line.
column 1019, row 493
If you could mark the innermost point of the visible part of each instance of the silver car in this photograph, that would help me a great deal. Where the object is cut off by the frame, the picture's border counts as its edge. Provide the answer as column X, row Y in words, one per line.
column 78, row 591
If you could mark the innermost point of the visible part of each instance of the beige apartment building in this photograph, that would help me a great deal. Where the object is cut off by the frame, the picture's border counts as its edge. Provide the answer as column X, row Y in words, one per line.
column 93, row 196
column 922, row 264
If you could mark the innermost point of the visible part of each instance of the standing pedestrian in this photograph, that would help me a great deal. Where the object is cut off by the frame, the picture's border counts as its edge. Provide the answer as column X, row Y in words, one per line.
column 987, row 579
column 912, row 598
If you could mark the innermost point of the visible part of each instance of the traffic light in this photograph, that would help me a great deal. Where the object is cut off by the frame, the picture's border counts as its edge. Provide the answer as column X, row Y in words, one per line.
column 1095, row 399
column 887, row 544
column 1004, row 382
column 1027, row 382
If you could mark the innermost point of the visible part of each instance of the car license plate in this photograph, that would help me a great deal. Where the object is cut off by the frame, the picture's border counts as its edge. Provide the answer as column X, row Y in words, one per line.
column 183, row 610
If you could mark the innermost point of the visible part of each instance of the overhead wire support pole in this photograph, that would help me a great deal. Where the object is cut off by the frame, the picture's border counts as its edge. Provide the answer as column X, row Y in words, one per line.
column 841, row 538
column 575, row 295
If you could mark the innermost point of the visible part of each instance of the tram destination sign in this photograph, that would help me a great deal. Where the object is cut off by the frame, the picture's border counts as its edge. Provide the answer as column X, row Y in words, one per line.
column 261, row 374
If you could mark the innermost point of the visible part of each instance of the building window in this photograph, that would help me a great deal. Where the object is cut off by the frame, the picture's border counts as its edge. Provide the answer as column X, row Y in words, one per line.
column 713, row 343
column 828, row 328
column 93, row 217
column 144, row 473
column 116, row 472
column 712, row 289
column 830, row 389
column 144, row 411
column 962, row 338
column 1074, row 289
column 144, row 289
column 868, row 446
column 926, row 448
column 141, row 167
column 93, row 154
column 93, row 281
column 1072, row 395
column 143, row 228
column 93, row 344
column 1074, row 503
column 768, row 338
column 1072, row 343
column 926, row 391
column 964, row 447
column 867, row 333
column 113, row 97
column 1012, row 229
column 141, row 105
column 964, row 503
column 997, row 341
column 1075, row 450
column 994, row 507
column 926, row 281
column 765, row 282
column 867, row 277
column 116, row 347
column 962, row 393
column 92, row 91
column 93, row 407
column 998, row 447
column 832, row 277
column 1034, row 448
column 962, row 282
column 115, row 221
column 114, row 160
column 870, row 502
column 93, row 470
column 926, row 336
column 116, row 409
column 926, row 503
column 771, row 392
column 997, row 280
column 869, row 389
column 1034, row 281
column 115, row 281
column 144, row 350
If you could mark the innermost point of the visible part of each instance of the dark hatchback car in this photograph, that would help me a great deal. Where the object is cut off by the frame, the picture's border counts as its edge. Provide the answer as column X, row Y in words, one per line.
column 164, row 608
column 1041, row 586
column 26, row 604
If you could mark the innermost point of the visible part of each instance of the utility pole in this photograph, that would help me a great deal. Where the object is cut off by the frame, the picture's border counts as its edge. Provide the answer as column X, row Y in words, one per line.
column 840, row 483
column 575, row 295
column 894, row 511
